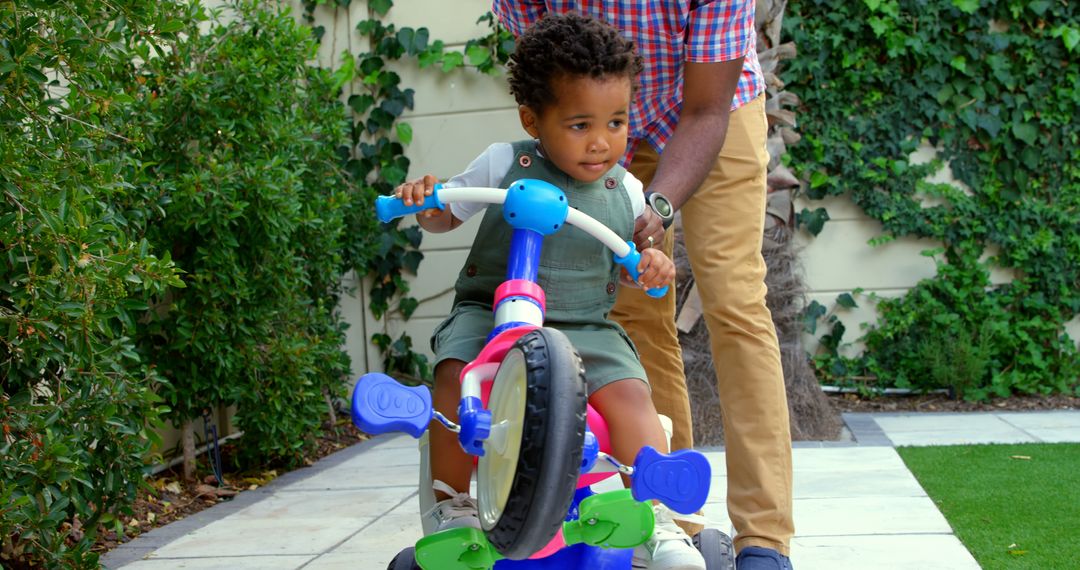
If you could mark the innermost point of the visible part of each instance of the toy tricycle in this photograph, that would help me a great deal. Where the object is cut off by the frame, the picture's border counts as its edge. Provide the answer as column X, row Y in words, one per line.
column 524, row 414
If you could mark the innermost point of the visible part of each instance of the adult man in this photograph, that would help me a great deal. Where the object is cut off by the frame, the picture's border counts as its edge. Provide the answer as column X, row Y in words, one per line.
column 698, row 128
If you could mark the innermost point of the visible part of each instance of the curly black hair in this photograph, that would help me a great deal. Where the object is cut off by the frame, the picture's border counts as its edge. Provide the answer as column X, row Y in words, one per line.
column 570, row 44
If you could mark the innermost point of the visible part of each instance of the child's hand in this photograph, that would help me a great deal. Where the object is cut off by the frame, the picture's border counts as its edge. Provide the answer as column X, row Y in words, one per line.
column 655, row 268
column 416, row 191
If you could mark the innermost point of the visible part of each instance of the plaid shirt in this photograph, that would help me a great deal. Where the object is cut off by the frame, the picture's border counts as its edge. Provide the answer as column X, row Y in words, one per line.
column 666, row 33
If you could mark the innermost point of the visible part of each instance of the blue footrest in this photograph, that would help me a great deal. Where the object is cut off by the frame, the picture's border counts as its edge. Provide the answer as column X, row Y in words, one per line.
column 680, row 479
column 380, row 404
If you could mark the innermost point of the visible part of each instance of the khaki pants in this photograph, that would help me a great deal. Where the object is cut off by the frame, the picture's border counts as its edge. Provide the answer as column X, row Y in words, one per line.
column 722, row 225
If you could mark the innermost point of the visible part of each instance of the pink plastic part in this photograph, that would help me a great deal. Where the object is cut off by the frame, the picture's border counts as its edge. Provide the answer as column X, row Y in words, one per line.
column 523, row 288
column 552, row 547
column 599, row 428
column 494, row 351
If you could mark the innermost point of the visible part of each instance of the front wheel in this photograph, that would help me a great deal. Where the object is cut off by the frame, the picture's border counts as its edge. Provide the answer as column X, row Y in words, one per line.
column 528, row 474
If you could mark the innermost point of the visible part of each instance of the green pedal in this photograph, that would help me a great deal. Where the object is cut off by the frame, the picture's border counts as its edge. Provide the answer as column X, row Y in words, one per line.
column 611, row 520
column 456, row 549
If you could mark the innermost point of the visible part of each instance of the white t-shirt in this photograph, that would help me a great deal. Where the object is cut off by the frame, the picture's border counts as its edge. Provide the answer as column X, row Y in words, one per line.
column 489, row 169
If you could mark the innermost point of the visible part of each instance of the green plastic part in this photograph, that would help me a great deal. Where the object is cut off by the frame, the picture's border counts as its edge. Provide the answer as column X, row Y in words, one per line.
column 456, row 549
column 611, row 520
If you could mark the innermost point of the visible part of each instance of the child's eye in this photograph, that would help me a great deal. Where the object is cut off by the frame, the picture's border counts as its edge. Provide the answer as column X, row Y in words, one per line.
column 579, row 126
column 616, row 123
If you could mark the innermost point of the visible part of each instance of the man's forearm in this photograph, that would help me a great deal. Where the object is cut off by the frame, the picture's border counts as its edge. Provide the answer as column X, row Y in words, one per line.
column 691, row 151
column 688, row 157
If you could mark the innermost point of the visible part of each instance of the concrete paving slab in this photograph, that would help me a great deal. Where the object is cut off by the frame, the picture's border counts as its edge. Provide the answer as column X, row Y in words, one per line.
column 856, row 504
column 362, row 473
column 392, row 532
column 234, row 536
column 854, row 484
column 1055, row 435
column 896, row 552
column 350, row 505
column 1047, row 419
column 228, row 563
column 868, row 516
column 950, row 429
column 850, row 459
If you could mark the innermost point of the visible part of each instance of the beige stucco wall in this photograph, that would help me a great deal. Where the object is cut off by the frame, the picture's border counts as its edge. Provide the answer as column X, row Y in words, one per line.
column 458, row 114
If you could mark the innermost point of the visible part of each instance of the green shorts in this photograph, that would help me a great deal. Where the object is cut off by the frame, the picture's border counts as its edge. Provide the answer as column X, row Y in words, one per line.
column 606, row 351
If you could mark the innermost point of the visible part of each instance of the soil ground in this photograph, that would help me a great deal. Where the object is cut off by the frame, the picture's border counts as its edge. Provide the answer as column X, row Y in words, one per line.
column 942, row 403
column 169, row 499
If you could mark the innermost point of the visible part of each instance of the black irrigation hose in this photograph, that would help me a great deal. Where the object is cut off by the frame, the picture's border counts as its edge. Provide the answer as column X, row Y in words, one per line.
column 210, row 430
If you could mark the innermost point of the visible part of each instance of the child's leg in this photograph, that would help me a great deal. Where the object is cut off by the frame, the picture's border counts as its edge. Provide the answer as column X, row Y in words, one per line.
column 627, row 407
column 633, row 423
column 449, row 463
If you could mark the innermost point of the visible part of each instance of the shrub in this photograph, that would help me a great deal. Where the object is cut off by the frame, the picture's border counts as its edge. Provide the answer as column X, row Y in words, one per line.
column 243, row 140
column 993, row 86
column 77, row 404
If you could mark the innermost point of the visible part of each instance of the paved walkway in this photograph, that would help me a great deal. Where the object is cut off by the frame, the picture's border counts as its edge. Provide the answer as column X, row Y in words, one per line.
column 856, row 504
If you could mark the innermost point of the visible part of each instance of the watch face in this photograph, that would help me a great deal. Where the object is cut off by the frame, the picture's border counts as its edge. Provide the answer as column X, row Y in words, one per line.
column 661, row 205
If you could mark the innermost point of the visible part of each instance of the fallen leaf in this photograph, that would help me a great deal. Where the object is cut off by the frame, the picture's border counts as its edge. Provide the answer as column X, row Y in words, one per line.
column 1020, row 456
column 174, row 487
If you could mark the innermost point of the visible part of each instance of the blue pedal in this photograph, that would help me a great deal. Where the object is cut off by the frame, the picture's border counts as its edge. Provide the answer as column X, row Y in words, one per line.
column 380, row 405
column 680, row 479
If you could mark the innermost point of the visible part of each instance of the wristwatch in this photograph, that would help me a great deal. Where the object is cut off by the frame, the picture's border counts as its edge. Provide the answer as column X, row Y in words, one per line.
column 661, row 206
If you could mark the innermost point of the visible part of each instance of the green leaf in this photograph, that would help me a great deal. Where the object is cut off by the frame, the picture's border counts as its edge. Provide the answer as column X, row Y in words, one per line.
column 408, row 305
column 1071, row 37
column 404, row 133
column 452, row 60
column 813, row 312
column 959, row 63
column 170, row 27
column 818, row 179
column 813, row 221
column 966, row 6
column 35, row 74
column 846, row 300
column 361, row 103
column 1026, row 132
column 381, row 7
column 477, row 54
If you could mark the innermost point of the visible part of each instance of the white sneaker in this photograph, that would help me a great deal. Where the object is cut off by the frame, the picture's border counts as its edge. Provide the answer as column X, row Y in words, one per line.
column 669, row 548
column 456, row 512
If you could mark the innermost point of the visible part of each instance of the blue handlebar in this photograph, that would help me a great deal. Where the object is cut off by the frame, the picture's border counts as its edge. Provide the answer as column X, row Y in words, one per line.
column 389, row 208
column 630, row 262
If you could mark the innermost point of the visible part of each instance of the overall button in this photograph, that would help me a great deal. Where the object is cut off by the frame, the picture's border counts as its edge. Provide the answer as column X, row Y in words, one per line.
column 610, row 288
column 470, row 271
column 610, row 183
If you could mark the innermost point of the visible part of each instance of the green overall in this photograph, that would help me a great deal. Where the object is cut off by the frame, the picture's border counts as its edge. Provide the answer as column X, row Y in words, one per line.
column 577, row 273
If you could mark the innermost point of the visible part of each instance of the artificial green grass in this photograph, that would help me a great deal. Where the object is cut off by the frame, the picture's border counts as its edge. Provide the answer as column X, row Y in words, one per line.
column 1013, row 506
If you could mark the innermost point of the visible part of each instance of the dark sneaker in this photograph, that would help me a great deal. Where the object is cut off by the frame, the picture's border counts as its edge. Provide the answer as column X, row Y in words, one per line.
column 758, row 558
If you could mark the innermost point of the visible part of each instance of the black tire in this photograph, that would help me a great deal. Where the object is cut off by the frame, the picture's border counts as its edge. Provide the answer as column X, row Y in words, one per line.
column 405, row 560
column 550, row 448
column 716, row 548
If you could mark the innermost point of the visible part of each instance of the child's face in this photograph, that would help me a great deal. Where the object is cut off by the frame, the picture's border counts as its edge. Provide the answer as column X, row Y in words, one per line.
column 584, row 132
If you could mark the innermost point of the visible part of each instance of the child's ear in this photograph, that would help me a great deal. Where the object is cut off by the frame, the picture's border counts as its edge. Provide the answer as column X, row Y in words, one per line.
column 529, row 118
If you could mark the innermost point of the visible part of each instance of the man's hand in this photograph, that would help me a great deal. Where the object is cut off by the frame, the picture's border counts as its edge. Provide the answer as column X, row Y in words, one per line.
column 648, row 225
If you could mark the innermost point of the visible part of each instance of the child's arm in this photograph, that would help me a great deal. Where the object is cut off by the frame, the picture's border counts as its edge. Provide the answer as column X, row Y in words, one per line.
column 433, row 220
column 656, row 269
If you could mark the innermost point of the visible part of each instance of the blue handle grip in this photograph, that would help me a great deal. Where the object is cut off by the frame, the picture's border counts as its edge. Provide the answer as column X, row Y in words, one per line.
column 389, row 208
column 630, row 262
